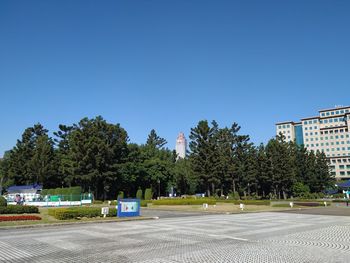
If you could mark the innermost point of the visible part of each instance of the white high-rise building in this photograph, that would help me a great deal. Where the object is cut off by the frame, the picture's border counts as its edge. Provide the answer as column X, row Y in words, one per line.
column 181, row 145
column 328, row 132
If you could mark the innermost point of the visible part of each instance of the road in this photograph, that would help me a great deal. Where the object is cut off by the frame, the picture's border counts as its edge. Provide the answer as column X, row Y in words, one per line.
column 254, row 237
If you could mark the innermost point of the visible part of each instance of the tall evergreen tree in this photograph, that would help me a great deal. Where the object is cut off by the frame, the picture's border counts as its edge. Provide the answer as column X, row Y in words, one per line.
column 203, row 151
column 155, row 141
column 96, row 149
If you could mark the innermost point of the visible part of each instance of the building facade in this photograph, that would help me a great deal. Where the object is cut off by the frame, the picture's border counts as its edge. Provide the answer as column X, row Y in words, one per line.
column 181, row 146
column 328, row 132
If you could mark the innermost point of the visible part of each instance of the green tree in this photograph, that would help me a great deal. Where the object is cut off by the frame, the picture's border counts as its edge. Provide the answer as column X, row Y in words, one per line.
column 155, row 141
column 282, row 166
column 96, row 150
column 203, row 154
column 300, row 190
column 63, row 160
column 185, row 180
column 32, row 159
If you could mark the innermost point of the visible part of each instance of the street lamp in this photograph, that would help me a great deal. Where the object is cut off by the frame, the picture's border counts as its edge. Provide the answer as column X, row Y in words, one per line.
column 158, row 181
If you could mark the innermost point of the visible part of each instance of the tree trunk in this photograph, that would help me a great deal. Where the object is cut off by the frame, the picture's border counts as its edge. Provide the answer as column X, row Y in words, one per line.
column 213, row 189
column 233, row 186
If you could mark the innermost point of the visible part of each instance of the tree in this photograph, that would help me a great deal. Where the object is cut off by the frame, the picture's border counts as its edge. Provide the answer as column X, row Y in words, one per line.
column 96, row 150
column 64, row 162
column 264, row 175
column 32, row 159
column 203, row 151
column 323, row 175
column 282, row 166
column 155, row 141
column 185, row 180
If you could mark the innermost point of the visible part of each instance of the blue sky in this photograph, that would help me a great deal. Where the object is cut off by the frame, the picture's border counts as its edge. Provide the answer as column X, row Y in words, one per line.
column 168, row 64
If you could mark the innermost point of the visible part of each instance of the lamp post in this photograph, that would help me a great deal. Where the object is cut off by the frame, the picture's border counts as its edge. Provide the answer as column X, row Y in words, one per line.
column 158, row 181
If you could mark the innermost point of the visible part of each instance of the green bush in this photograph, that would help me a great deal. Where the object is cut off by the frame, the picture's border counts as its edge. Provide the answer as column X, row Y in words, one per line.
column 19, row 209
column 144, row 203
column 120, row 195
column 139, row 194
column 98, row 202
column 282, row 205
column 148, row 194
column 3, row 201
column 79, row 212
column 180, row 201
column 300, row 190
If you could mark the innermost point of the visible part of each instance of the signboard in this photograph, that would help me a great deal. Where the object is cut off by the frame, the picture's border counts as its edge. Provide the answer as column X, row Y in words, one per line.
column 105, row 211
column 128, row 207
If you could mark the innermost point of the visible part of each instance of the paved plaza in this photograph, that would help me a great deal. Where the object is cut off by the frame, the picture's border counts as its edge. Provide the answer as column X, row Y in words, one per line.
column 254, row 237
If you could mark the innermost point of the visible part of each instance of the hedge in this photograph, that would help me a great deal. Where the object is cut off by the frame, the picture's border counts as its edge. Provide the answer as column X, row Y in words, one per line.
column 198, row 201
column 19, row 218
column 19, row 209
column 3, row 201
column 79, row 212
column 66, row 194
column 308, row 203
column 144, row 203
column 341, row 200
column 246, row 202
column 282, row 205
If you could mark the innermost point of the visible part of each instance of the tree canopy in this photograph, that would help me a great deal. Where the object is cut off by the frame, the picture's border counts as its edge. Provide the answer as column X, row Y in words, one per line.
column 98, row 157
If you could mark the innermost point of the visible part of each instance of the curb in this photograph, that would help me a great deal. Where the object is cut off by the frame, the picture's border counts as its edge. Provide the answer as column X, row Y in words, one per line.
column 75, row 223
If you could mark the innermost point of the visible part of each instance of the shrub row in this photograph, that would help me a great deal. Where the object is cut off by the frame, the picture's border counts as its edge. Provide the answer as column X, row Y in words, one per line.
column 178, row 201
column 19, row 218
column 308, row 203
column 246, row 202
column 19, row 209
column 76, row 190
column 340, row 200
column 144, row 203
column 282, row 205
column 78, row 212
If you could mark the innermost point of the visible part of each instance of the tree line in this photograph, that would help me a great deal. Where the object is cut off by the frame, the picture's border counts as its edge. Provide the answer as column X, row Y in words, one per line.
column 98, row 157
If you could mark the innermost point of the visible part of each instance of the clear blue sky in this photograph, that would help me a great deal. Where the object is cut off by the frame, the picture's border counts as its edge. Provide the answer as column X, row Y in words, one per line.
column 168, row 64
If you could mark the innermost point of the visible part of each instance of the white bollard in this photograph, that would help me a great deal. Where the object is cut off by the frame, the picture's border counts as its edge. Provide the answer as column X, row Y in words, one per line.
column 241, row 206
column 325, row 203
column 291, row 204
column 205, row 206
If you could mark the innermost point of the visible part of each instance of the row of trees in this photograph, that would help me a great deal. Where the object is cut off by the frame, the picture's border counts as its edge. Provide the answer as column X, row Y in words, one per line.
column 97, row 156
